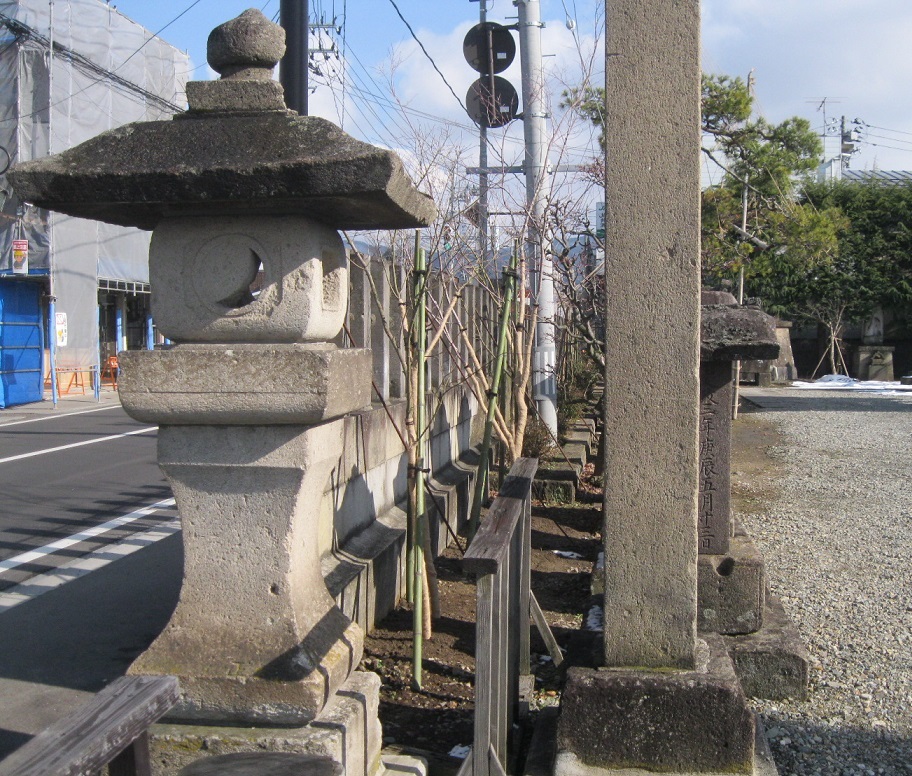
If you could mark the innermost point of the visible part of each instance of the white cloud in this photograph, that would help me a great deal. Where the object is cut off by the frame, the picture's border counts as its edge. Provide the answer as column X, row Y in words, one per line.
column 854, row 54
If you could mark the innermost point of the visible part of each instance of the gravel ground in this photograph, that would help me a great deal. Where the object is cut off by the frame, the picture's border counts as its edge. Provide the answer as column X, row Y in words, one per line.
column 837, row 539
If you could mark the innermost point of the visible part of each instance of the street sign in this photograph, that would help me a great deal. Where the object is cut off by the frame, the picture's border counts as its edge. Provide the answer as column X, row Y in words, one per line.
column 489, row 48
column 20, row 257
column 61, row 329
column 492, row 109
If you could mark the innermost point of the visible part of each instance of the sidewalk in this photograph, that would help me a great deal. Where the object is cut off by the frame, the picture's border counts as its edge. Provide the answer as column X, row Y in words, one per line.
column 67, row 404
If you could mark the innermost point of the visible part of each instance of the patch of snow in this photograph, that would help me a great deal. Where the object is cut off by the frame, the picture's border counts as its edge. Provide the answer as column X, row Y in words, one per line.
column 595, row 620
column 567, row 554
column 460, row 752
column 837, row 380
column 845, row 383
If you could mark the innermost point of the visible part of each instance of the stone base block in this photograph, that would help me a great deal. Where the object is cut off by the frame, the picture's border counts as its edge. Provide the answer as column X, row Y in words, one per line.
column 675, row 721
column 244, row 384
column 540, row 756
column 731, row 589
column 556, row 481
column 581, row 432
column 773, row 662
column 873, row 362
column 597, row 581
column 263, row 764
column 347, row 731
column 569, row 765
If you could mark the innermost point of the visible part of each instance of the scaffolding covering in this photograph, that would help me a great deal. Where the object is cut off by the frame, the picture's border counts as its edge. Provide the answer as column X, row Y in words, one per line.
column 105, row 71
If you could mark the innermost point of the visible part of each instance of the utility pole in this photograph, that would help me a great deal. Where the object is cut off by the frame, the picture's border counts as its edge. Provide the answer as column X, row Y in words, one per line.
column 544, row 386
column 847, row 142
column 294, row 18
column 828, row 169
column 483, row 241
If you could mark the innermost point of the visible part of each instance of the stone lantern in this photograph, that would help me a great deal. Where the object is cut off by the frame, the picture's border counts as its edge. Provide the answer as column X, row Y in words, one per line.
column 250, row 281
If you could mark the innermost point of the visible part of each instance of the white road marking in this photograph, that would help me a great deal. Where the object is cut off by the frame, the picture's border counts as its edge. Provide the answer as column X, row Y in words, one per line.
column 88, row 533
column 44, row 583
column 77, row 444
column 61, row 415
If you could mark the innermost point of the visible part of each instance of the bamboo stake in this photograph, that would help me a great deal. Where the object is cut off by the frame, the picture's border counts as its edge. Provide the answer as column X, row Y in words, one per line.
column 481, row 477
column 420, row 288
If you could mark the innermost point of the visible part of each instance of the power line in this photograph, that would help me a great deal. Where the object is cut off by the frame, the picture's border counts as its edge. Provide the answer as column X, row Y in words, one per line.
column 429, row 57
column 885, row 129
column 885, row 137
column 892, row 148
column 156, row 34
column 84, row 63
column 344, row 54
column 360, row 86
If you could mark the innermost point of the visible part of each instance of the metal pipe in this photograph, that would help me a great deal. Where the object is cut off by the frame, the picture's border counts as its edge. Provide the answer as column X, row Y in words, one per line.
column 483, row 222
column 52, row 308
column 293, row 70
column 544, row 386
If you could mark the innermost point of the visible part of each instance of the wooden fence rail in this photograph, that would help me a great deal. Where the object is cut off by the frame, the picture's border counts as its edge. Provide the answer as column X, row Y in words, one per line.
column 111, row 729
column 500, row 557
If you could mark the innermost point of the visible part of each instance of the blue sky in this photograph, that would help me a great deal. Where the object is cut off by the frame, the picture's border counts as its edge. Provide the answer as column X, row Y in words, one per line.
column 372, row 29
column 854, row 55
column 380, row 51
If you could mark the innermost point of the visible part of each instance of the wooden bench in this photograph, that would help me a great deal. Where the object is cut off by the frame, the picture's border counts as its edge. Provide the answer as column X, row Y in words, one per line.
column 111, row 729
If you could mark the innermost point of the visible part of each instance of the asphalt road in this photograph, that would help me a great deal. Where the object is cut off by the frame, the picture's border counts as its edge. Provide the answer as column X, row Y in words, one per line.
column 90, row 557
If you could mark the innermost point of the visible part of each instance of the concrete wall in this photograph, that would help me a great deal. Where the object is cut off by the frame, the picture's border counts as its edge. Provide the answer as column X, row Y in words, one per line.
column 363, row 519
column 362, row 514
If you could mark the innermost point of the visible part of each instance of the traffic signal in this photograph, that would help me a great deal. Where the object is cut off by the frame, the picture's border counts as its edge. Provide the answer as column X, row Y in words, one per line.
column 489, row 49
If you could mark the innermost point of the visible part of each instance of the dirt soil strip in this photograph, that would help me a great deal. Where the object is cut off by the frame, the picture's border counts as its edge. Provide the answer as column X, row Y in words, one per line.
column 565, row 544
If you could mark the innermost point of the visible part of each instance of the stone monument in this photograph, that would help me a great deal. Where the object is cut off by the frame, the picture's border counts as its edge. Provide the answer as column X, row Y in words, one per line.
column 250, row 280
column 872, row 360
column 732, row 599
column 664, row 699
column 730, row 573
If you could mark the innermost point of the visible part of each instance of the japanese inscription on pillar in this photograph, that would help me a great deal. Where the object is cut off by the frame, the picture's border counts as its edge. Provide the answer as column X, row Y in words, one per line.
column 713, row 515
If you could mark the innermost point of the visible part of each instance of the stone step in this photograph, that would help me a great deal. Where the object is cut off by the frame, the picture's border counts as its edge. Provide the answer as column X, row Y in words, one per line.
column 399, row 764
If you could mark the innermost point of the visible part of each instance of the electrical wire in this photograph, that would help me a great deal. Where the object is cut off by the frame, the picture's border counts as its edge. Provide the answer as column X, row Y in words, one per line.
column 157, row 33
column 885, row 129
column 87, row 64
column 344, row 54
column 892, row 148
column 429, row 57
column 394, row 109
column 885, row 137
column 361, row 88
column 390, row 121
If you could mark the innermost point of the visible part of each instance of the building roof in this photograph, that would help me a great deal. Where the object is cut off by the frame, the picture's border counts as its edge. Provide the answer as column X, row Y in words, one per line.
column 886, row 177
